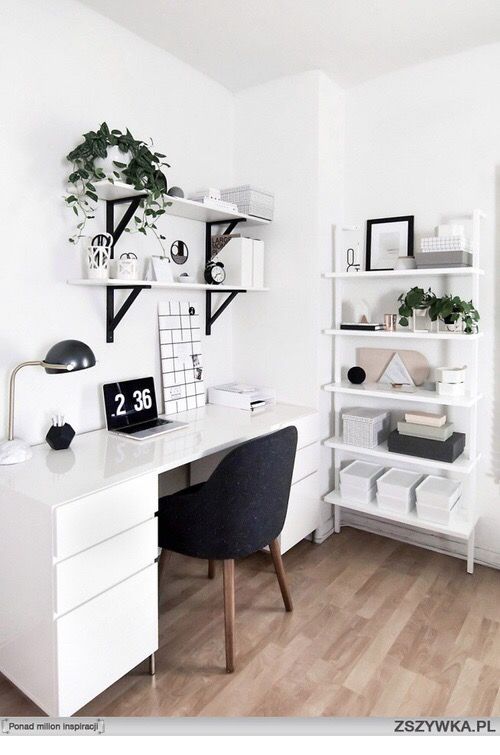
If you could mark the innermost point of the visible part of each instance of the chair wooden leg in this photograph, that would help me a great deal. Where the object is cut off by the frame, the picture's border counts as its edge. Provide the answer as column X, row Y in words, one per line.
column 274, row 547
column 228, row 572
column 162, row 564
column 211, row 568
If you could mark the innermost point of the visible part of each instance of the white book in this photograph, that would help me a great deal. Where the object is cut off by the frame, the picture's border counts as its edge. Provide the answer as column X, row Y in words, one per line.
column 237, row 258
column 426, row 418
column 258, row 263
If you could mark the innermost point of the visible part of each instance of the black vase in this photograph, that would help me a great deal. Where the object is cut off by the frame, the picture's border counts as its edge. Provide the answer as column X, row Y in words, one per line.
column 60, row 437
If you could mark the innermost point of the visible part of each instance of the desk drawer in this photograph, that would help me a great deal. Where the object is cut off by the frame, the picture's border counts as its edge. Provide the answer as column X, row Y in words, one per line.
column 303, row 515
column 96, row 569
column 307, row 429
column 104, row 639
column 90, row 520
column 306, row 462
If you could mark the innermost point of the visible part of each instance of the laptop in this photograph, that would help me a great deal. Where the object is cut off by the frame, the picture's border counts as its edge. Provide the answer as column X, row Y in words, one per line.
column 130, row 407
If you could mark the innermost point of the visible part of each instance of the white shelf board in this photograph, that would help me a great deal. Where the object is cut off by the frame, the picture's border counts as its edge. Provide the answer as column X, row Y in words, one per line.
column 463, row 464
column 419, row 272
column 182, row 208
column 458, row 526
column 160, row 284
column 423, row 395
column 402, row 334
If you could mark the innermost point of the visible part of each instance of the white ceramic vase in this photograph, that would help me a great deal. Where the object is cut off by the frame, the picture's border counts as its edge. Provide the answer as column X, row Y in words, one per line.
column 107, row 163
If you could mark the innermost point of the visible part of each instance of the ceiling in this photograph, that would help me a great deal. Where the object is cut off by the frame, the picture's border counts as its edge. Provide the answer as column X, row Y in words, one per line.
column 245, row 42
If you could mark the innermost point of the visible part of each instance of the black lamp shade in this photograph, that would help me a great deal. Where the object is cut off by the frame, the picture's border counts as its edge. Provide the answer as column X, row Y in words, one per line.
column 75, row 353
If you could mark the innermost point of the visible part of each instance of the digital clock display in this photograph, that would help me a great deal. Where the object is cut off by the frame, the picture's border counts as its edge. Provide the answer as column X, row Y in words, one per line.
column 129, row 402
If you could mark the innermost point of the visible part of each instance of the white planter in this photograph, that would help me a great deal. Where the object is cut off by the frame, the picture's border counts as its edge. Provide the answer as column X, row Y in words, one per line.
column 106, row 163
column 421, row 321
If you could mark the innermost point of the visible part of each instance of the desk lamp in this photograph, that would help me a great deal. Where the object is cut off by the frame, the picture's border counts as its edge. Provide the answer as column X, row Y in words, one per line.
column 65, row 356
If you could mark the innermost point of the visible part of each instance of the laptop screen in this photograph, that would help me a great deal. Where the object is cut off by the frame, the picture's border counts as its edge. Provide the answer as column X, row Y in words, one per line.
column 129, row 402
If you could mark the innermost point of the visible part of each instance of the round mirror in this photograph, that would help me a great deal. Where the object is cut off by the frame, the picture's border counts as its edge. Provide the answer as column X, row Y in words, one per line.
column 179, row 252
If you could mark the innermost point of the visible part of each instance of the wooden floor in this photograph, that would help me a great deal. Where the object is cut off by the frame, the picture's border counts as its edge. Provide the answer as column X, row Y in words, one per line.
column 379, row 628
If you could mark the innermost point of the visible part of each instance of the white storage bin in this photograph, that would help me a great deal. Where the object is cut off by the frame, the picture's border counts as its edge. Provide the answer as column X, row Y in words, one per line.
column 396, row 505
column 360, row 474
column 365, row 428
column 399, row 484
column 439, row 491
column 251, row 200
column 357, row 495
column 435, row 514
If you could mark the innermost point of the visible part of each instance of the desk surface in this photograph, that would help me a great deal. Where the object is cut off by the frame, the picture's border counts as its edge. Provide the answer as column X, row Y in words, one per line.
column 97, row 460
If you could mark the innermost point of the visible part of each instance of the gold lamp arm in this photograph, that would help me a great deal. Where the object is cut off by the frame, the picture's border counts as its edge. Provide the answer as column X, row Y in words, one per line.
column 12, row 386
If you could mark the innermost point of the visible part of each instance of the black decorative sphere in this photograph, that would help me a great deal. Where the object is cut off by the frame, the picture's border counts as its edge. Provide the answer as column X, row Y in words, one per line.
column 356, row 375
column 175, row 191
column 60, row 437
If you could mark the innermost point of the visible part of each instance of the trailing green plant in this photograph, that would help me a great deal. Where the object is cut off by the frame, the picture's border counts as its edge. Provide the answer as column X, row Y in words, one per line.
column 143, row 172
column 415, row 298
column 453, row 309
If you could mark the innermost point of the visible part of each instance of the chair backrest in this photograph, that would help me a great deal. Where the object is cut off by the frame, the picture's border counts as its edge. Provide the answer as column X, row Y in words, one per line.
column 248, row 493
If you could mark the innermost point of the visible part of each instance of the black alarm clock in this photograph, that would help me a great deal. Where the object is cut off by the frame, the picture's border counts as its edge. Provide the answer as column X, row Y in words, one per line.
column 215, row 273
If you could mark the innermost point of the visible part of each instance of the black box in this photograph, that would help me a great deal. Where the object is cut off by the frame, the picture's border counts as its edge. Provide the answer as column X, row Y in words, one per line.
column 439, row 450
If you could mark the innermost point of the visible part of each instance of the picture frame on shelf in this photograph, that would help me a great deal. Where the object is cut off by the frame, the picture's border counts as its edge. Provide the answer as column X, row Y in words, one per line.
column 387, row 239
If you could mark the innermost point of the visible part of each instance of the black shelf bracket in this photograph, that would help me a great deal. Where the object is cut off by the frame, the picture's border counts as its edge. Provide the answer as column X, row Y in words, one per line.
column 133, row 203
column 112, row 319
column 209, row 317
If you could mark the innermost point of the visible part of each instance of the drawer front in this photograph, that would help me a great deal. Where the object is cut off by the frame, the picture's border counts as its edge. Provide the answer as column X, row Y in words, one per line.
column 104, row 639
column 308, row 430
column 90, row 520
column 306, row 462
column 96, row 569
column 303, row 515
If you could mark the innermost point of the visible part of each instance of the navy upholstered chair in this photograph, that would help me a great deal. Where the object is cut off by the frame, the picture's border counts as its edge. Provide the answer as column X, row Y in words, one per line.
column 240, row 509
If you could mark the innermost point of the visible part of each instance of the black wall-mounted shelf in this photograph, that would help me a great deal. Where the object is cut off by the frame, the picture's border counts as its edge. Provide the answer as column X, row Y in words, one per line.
column 116, row 194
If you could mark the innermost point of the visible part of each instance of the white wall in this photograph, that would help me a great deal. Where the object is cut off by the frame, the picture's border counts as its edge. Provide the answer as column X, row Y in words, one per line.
column 64, row 70
column 425, row 141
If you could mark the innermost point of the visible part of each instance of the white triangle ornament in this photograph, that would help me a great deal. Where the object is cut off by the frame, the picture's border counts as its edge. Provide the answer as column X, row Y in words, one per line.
column 396, row 373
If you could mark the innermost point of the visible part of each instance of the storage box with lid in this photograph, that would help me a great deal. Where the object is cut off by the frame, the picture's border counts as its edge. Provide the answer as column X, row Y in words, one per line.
column 357, row 481
column 251, row 200
column 436, row 498
column 364, row 427
column 396, row 490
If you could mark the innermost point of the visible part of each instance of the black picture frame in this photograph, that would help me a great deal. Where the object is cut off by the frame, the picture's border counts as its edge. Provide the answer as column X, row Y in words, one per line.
column 371, row 253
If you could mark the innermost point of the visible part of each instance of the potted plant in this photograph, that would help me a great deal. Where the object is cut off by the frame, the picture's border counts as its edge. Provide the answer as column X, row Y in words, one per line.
column 456, row 313
column 96, row 159
column 416, row 304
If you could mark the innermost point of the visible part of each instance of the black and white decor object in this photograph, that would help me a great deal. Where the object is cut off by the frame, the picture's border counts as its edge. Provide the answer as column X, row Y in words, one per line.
column 215, row 273
column 356, row 375
column 179, row 251
column 181, row 357
column 176, row 191
column 387, row 239
column 352, row 265
column 98, row 256
column 60, row 434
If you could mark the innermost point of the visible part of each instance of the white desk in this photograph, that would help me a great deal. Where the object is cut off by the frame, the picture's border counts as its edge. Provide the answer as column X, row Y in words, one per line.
column 78, row 575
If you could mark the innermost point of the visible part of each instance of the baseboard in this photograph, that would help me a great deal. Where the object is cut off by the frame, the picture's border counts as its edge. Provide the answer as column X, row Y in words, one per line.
column 434, row 542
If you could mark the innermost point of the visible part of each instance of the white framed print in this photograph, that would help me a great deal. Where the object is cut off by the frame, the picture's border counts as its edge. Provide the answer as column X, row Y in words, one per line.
column 386, row 240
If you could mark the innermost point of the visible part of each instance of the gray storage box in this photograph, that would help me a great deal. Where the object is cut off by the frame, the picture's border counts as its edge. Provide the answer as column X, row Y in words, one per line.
column 443, row 259
column 251, row 200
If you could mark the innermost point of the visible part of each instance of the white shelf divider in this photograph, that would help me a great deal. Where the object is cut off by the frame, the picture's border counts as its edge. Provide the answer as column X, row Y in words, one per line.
column 459, row 527
column 417, row 273
column 463, row 465
column 443, row 336
column 422, row 395
column 179, row 207
column 160, row 284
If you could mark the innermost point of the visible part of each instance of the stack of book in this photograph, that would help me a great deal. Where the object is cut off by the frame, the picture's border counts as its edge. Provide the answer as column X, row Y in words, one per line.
column 361, row 326
column 427, row 435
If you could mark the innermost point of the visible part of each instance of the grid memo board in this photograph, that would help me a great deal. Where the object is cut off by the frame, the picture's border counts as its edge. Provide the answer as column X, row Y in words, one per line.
column 181, row 358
